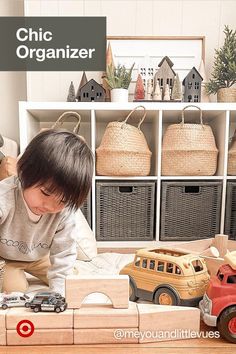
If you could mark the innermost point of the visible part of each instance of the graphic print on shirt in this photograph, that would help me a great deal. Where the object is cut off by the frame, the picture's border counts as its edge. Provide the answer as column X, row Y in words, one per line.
column 22, row 245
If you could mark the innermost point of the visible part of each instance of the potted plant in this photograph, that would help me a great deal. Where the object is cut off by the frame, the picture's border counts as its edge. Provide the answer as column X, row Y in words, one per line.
column 224, row 69
column 119, row 78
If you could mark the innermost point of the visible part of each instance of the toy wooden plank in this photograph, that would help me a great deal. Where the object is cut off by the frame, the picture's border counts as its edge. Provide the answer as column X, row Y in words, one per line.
column 196, row 246
column 231, row 245
column 3, row 338
column 115, row 287
column 230, row 258
column 213, row 265
column 105, row 336
column 3, row 326
column 40, row 320
column 162, row 323
column 2, row 318
column 41, row 336
column 105, row 316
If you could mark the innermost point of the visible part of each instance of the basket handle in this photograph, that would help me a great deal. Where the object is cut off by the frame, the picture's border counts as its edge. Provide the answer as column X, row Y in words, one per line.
column 233, row 138
column 141, row 120
column 191, row 105
column 62, row 117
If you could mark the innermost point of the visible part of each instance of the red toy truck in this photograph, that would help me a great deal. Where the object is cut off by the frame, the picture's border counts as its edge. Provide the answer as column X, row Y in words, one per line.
column 218, row 306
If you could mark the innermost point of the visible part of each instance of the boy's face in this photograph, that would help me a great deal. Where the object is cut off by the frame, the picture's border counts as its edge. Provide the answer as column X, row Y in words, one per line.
column 41, row 201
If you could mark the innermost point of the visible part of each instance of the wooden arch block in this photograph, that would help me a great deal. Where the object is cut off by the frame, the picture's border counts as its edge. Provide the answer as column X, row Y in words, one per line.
column 221, row 243
column 115, row 287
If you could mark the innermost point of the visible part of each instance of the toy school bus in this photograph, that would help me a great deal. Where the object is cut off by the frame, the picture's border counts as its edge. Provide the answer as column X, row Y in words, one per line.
column 167, row 277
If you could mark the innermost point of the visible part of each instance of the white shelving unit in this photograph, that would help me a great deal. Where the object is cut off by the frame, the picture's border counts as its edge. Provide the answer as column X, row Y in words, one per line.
column 95, row 116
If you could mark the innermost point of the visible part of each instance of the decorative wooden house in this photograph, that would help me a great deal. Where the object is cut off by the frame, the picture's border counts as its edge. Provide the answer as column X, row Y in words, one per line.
column 165, row 74
column 83, row 81
column 192, row 86
column 92, row 91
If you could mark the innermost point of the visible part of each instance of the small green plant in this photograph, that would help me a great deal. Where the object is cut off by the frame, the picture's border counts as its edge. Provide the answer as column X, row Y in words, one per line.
column 224, row 68
column 119, row 77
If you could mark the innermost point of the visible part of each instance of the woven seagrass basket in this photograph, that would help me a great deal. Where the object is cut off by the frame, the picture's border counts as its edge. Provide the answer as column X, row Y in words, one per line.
column 189, row 149
column 124, row 150
column 227, row 94
column 232, row 157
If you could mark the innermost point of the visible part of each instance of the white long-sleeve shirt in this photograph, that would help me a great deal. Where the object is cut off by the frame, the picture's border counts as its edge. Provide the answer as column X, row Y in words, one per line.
column 22, row 239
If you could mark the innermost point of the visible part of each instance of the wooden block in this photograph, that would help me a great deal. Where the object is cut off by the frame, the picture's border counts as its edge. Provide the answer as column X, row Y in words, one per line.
column 105, row 316
column 115, row 287
column 105, row 336
column 3, row 318
column 213, row 265
column 41, row 337
column 162, row 323
column 3, row 340
column 230, row 258
column 40, row 320
column 231, row 245
column 197, row 246
column 221, row 243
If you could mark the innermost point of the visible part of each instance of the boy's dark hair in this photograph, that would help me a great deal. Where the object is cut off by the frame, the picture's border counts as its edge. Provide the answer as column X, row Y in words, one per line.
column 63, row 161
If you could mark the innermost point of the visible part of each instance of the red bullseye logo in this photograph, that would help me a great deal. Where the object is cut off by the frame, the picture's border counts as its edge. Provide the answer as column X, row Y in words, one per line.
column 25, row 328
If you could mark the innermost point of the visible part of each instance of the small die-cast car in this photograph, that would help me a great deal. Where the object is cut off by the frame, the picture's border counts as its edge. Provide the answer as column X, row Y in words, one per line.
column 167, row 277
column 14, row 299
column 48, row 301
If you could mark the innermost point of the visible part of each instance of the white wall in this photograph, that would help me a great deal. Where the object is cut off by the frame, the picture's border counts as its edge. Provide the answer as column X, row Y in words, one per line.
column 133, row 17
column 12, row 84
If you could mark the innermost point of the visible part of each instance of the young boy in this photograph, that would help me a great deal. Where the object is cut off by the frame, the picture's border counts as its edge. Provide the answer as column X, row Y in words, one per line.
column 37, row 228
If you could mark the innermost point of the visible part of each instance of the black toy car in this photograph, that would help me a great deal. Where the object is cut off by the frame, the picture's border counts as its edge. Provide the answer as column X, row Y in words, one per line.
column 48, row 301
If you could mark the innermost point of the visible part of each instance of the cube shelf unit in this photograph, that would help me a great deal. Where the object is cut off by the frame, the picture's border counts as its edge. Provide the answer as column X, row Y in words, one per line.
column 95, row 116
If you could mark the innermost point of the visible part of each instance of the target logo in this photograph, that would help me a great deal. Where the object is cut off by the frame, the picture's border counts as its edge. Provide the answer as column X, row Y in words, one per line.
column 25, row 328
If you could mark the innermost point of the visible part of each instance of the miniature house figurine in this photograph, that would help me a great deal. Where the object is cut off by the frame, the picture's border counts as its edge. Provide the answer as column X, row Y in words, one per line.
column 165, row 74
column 92, row 91
column 83, row 81
column 192, row 86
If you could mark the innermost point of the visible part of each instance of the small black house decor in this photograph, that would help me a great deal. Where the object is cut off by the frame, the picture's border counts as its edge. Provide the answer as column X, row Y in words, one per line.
column 165, row 74
column 192, row 86
column 83, row 81
column 92, row 91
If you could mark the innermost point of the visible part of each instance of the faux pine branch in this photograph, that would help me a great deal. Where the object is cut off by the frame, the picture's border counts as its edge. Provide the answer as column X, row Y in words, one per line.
column 224, row 68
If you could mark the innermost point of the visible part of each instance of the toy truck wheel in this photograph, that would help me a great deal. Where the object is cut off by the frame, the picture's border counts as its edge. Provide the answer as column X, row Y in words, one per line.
column 57, row 309
column 36, row 309
column 4, row 306
column 227, row 324
column 132, row 291
column 165, row 296
column 27, row 305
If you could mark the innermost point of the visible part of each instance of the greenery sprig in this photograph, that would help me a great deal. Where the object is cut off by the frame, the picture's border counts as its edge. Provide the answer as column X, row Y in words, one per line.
column 119, row 77
column 224, row 68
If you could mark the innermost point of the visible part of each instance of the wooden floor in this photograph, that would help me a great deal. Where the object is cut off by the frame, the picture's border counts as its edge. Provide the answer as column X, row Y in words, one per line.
column 197, row 346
